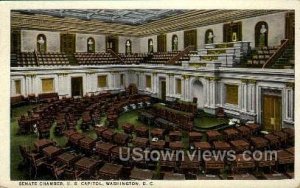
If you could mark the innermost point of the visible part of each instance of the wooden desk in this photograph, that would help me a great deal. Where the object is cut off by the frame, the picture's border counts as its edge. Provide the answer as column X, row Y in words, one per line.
column 141, row 174
column 187, row 164
column 175, row 136
column 291, row 150
column 160, row 144
column 42, row 143
column 240, row 145
column 290, row 132
column 265, row 160
column 118, row 150
column 244, row 131
column 244, row 161
column 75, row 138
column 253, row 127
column 68, row 159
column 176, row 145
column 110, row 171
column 141, row 131
column 273, row 140
column 159, row 133
column 128, row 128
column 231, row 133
column 221, row 145
column 100, row 130
column 213, row 135
column 140, row 142
column 284, row 157
column 213, row 164
column 202, row 146
column 259, row 142
column 168, row 162
column 104, row 148
column 108, row 135
column 121, row 138
column 282, row 136
column 195, row 136
column 52, row 151
column 88, row 165
column 87, row 143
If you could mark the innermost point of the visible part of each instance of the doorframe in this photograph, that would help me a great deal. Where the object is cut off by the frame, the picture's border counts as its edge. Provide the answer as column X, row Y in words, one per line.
column 260, row 95
column 76, row 77
column 160, row 80
column 84, row 83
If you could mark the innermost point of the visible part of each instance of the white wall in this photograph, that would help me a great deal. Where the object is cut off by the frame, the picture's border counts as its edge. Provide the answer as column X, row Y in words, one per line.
column 81, row 42
column 135, row 42
column 29, row 39
column 180, row 35
column 144, row 43
column 217, row 30
column 276, row 24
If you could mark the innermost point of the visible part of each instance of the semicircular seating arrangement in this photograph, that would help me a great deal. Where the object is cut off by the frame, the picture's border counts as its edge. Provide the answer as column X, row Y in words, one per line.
column 131, row 151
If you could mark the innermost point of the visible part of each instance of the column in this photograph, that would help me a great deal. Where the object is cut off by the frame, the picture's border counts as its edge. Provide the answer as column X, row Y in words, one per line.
column 171, row 84
column 244, row 95
column 185, row 86
column 251, row 102
column 212, row 93
column 155, row 84
column 206, row 86
column 111, row 81
column 289, row 98
column 27, row 84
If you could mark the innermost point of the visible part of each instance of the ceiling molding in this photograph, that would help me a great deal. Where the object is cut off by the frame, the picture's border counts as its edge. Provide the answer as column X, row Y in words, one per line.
column 187, row 19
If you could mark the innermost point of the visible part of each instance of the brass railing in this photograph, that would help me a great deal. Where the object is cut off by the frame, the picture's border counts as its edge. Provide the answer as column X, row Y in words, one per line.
column 277, row 54
column 180, row 54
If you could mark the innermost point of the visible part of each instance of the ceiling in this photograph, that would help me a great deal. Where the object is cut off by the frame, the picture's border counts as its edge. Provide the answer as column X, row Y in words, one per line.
column 122, row 22
column 121, row 16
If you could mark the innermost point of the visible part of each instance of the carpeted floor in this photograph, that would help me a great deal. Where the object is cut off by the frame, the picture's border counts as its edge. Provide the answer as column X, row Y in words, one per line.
column 129, row 117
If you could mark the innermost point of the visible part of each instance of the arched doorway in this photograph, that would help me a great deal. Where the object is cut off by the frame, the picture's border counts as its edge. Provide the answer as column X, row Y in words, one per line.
column 197, row 92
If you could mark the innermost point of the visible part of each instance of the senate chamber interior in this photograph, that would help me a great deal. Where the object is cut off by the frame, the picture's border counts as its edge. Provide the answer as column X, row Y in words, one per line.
column 88, row 86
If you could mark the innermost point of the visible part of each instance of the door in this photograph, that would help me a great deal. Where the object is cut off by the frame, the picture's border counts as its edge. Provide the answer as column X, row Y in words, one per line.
column 76, row 84
column 232, row 32
column 163, row 90
column 112, row 43
column 190, row 39
column 162, row 43
column 68, row 43
column 272, row 112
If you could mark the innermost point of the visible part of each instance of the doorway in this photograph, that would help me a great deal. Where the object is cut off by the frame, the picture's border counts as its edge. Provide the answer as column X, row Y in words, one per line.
column 68, row 43
column 76, row 86
column 162, row 43
column 112, row 43
column 271, row 112
column 163, row 90
column 190, row 39
column 232, row 32
column 197, row 92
